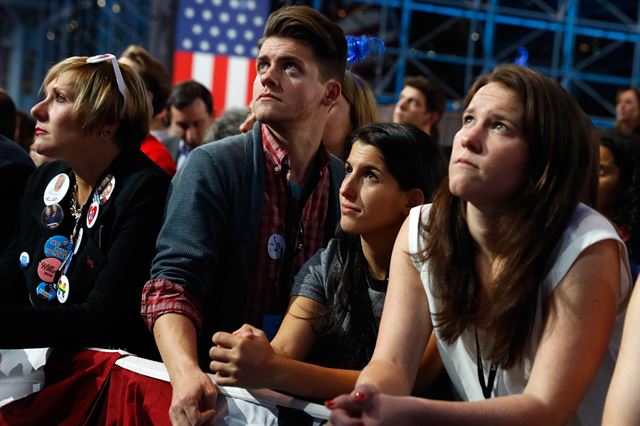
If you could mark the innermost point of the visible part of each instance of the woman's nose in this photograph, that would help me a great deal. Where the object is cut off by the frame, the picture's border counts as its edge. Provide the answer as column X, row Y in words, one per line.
column 39, row 110
column 470, row 138
column 347, row 189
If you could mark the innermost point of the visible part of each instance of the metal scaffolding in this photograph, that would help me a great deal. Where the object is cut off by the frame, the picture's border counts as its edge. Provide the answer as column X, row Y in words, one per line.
column 592, row 47
column 34, row 34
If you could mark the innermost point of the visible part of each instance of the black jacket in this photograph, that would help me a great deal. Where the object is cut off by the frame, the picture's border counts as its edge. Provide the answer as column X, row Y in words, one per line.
column 15, row 168
column 105, row 276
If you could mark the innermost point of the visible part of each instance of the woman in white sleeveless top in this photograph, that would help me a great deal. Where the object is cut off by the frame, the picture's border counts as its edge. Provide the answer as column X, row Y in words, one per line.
column 524, row 285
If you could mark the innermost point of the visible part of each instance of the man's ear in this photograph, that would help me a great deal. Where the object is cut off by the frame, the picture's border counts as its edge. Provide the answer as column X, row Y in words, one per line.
column 415, row 197
column 332, row 93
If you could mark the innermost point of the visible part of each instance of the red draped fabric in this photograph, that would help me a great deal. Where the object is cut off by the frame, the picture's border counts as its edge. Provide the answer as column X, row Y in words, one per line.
column 74, row 381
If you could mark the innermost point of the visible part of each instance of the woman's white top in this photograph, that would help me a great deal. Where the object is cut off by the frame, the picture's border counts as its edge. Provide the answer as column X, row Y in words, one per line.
column 586, row 227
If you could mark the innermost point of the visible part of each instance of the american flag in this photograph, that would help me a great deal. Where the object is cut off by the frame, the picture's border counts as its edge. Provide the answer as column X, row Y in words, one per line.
column 216, row 45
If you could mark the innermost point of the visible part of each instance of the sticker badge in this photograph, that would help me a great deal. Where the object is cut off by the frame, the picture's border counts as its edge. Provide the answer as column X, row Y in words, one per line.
column 76, row 244
column 24, row 259
column 46, row 291
column 47, row 268
column 104, row 190
column 63, row 289
column 56, row 189
column 52, row 216
column 92, row 214
column 276, row 246
column 57, row 246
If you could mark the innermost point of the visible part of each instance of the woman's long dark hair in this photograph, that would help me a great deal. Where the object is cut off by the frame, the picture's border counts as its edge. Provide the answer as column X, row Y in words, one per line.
column 561, row 171
column 625, row 210
column 415, row 161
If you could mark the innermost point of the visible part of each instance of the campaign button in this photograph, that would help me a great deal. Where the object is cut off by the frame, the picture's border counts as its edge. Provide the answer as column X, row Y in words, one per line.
column 92, row 214
column 57, row 246
column 104, row 189
column 24, row 259
column 46, row 291
column 47, row 269
column 63, row 289
column 56, row 189
column 52, row 216
column 276, row 246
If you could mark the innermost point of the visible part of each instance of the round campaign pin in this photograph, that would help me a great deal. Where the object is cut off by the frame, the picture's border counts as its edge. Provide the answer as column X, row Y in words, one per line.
column 63, row 289
column 46, row 291
column 276, row 246
column 92, row 214
column 24, row 259
column 57, row 246
column 47, row 269
column 76, row 244
column 104, row 189
column 52, row 216
column 56, row 189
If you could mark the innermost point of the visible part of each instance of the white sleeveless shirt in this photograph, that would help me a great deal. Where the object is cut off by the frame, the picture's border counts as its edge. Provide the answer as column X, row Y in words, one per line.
column 586, row 227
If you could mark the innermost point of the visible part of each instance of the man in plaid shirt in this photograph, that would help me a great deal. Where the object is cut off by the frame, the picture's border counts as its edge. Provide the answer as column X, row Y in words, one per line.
column 244, row 213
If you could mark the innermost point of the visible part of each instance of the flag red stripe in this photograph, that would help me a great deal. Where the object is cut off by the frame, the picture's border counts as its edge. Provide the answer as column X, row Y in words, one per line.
column 219, row 83
column 182, row 62
column 250, row 77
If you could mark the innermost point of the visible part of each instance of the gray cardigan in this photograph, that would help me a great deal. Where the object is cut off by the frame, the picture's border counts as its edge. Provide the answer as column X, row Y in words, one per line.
column 208, row 240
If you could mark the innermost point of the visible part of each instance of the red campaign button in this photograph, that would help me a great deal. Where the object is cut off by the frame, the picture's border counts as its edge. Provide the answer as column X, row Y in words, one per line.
column 47, row 269
column 92, row 214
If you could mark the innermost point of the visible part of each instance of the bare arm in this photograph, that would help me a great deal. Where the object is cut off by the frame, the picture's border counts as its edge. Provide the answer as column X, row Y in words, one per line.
column 582, row 312
column 194, row 394
column 404, row 328
column 623, row 399
column 245, row 358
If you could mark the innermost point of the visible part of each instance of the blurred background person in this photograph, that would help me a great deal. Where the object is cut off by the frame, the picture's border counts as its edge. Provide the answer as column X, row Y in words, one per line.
column 355, row 107
column 421, row 103
column 628, row 110
column 190, row 109
column 7, row 116
column 25, row 130
column 228, row 124
column 619, row 189
column 15, row 168
column 156, row 80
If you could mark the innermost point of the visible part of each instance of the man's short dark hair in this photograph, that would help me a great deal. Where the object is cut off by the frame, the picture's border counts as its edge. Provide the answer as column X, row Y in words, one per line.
column 308, row 26
column 7, row 115
column 183, row 95
column 433, row 95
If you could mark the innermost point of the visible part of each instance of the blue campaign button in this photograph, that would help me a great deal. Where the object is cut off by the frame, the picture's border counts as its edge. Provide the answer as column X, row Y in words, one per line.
column 24, row 259
column 46, row 291
column 58, row 246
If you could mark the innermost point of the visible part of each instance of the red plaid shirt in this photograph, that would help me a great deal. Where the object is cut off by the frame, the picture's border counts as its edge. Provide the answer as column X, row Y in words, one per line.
column 266, row 294
column 268, row 289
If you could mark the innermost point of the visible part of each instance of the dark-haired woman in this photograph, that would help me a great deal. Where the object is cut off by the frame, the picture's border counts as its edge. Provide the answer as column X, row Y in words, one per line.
column 524, row 285
column 619, row 189
column 338, row 295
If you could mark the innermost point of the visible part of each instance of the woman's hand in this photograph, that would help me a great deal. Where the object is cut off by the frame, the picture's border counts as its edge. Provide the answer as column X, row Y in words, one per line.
column 242, row 358
column 366, row 406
